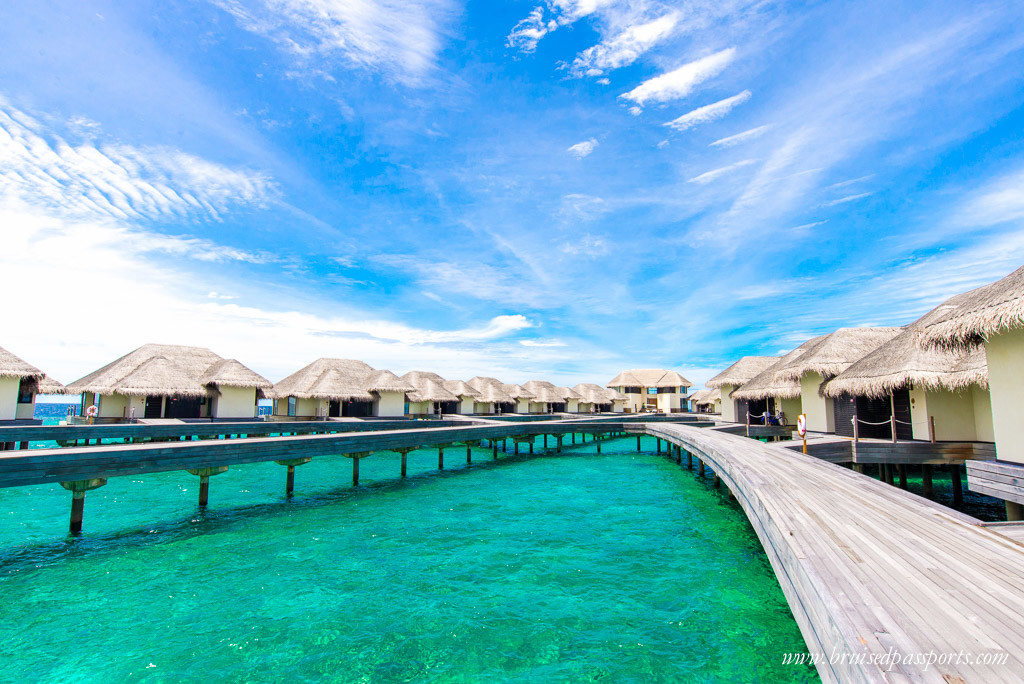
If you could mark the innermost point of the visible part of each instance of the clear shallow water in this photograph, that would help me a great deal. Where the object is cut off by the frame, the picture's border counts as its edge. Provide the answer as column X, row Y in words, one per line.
column 618, row 567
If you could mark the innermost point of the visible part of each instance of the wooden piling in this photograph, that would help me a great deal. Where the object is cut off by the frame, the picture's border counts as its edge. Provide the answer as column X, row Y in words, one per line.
column 700, row 468
column 289, row 486
column 689, row 461
column 679, row 455
column 78, row 488
column 558, row 444
column 903, row 475
column 958, row 486
column 638, row 443
column 657, row 442
column 404, row 455
column 469, row 453
column 597, row 439
column 573, row 435
column 204, row 475
column 355, row 470
column 494, row 450
column 717, row 481
column 858, row 468
column 440, row 458
column 926, row 479
column 545, row 442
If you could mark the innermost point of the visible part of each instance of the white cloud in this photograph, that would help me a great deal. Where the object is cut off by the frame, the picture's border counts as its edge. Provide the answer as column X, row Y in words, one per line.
column 543, row 20
column 543, row 343
column 587, row 245
column 179, row 307
column 603, row 81
column 583, row 149
column 682, row 81
column 852, row 181
column 743, row 137
column 1000, row 201
column 709, row 112
column 116, row 181
column 582, row 206
column 399, row 38
column 707, row 177
column 844, row 200
column 624, row 49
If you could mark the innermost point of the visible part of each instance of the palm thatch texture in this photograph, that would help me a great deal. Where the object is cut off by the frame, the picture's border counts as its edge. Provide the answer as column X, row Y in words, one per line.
column 741, row 371
column 462, row 389
column 906, row 360
column 595, row 394
column 167, row 369
column 771, row 382
column 519, row 392
column 428, row 387
column 648, row 377
column 548, row 393
column 338, row 379
column 837, row 351
column 978, row 314
column 493, row 390
column 12, row 366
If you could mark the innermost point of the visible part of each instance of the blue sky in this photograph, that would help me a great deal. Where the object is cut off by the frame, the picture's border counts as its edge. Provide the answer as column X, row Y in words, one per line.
column 528, row 190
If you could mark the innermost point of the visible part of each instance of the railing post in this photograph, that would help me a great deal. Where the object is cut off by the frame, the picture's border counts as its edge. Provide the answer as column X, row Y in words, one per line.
column 931, row 429
column 892, row 422
column 856, row 430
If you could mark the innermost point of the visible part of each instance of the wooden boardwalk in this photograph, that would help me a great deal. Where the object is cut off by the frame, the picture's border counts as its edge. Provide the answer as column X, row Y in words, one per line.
column 869, row 571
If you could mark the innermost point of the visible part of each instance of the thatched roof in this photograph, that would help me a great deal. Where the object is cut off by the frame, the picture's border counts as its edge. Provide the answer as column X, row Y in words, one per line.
column 741, row 371
column 164, row 369
column 706, row 397
column 13, row 367
column 649, row 377
column 548, row 393
column 386, row 381
column 519, row 392
column 231, row 373
column 837, row 351
column 772, row 382
column 462, row 389
column 906, row 360
column 340, row 379
column 971, row 317
column 493, row 389
column 595, row 394
column 428, row 387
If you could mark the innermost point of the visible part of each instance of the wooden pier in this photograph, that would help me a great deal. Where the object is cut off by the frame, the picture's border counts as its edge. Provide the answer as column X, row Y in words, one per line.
column 870, row 571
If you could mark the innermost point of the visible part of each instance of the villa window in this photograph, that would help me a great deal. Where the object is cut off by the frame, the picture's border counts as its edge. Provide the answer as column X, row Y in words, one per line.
column 667, row 390
column 291, row 406
column 26, row 392
column 631, row 390
column 652, row 390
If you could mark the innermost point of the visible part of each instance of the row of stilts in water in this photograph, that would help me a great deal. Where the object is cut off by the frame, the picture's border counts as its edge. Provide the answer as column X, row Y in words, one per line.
column 80, row 487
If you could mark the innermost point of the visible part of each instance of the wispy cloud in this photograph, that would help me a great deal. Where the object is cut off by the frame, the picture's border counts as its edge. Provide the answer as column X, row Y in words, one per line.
column 999, row 201
column 582, row 149
column 543, row 343
column 586, row 245
column 624, row 48
column 398, row 38
column 739, row 138
column 542, row 20
column 117, row 181
column 844, row 200
column 707, row 113
column 852, row 181
column 680, row 82
column 707, row 177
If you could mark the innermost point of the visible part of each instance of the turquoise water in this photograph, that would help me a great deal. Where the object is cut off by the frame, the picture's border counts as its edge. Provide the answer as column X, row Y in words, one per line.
column 579, row 567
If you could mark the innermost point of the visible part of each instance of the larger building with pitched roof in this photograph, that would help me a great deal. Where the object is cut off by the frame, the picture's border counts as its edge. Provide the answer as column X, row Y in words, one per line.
column 652, row 389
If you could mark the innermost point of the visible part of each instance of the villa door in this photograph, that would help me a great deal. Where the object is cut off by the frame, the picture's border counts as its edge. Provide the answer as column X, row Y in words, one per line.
column 154, row 407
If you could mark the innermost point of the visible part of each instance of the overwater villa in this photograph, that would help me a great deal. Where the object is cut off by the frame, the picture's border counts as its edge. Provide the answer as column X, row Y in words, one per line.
column 521, row 396
column 705, row 401
column 430, row 396
column 944, row 390
column 652, row 389
column 828, row 356
column 20, row 382
column 731, row 378
column 599, row 399
column 992, row 318
column 771, row 391
column 468, row 397
column 494, row 395
column 171, row 381
column 552, row 399
column 334, row 388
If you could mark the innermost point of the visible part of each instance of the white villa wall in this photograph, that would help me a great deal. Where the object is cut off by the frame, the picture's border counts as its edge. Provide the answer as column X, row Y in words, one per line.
column 953, row 413
column 113, row 405
column 572, row 405
column 982, row 414
column 820, row 417
column 466, row 406
column 483, row 407
column 9, row 398
column 522, row 406
column 728, row 409
column 790, row 407
column 390, row 404
column 1005, row 353
column 538, row 407
column 234, row 402
column 420, row 408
